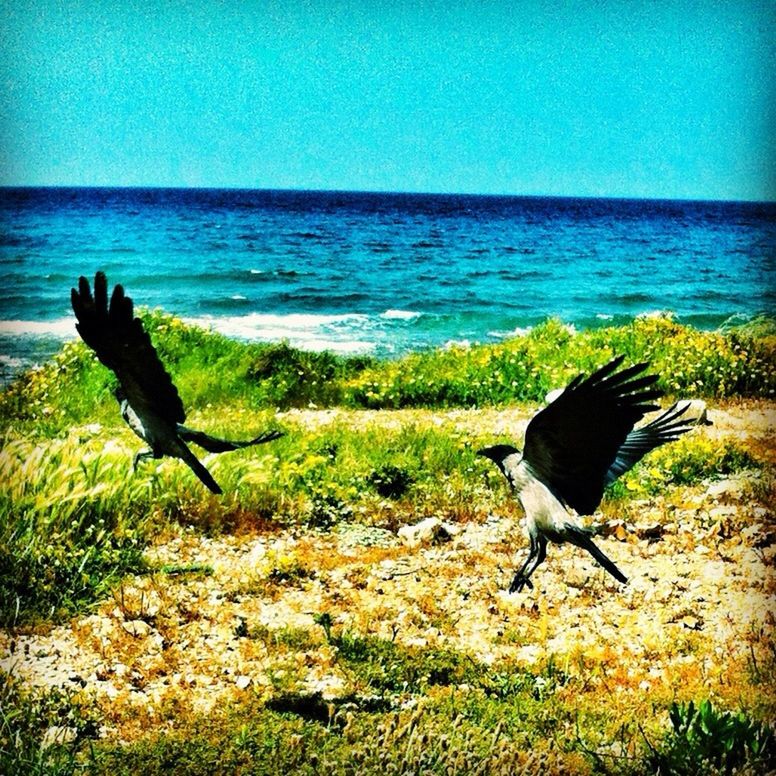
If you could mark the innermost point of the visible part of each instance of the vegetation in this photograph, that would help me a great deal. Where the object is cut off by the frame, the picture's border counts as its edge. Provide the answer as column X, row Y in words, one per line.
column 703, row 739
column 505, row 722
column 74, row 389
column 76, row 522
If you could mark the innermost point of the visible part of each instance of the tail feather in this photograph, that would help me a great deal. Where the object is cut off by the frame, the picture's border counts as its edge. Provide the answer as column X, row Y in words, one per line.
column 217, row 445
column 198, row 468
column 581, row 538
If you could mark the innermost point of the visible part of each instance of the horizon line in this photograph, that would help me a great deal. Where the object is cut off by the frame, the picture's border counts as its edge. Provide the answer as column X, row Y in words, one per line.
column 389, row 192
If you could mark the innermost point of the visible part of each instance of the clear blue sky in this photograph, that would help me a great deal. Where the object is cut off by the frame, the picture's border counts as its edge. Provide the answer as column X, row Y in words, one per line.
column 645, row 98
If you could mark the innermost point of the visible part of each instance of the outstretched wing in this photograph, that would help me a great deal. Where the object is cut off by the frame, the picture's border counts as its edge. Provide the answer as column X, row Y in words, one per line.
column 217, row 445
column 571, row 444
column 123, row 345
column 668, row 427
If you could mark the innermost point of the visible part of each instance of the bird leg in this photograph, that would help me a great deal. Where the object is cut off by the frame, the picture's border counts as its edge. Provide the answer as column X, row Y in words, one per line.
column 141, row 456
column 536, row 554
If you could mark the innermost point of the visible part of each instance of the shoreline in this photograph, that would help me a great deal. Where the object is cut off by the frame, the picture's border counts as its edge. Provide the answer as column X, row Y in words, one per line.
column 30, row 344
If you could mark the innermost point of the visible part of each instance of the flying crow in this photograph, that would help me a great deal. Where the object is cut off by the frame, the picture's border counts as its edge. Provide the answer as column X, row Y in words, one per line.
column 149, row 401
column 574, row 448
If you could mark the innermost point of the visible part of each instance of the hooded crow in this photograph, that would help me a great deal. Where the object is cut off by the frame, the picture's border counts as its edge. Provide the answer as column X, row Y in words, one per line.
column 149, row 401
column 574, row 448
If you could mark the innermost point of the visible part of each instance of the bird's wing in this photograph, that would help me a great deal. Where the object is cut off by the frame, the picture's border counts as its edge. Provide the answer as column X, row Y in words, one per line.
column 571, row 444
column 667, row 427
column 216, row 445
column 123, row 345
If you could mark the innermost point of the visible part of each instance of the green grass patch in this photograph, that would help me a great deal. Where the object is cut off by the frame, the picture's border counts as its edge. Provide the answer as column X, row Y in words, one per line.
column 211, row 370
column 705, row 739
column 43, row 733
column 691, row 460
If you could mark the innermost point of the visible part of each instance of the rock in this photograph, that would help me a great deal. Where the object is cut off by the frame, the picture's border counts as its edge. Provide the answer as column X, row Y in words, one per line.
column 695, row 412
column 428, row 531
column 243, row 682
column 137, row 628
column 57, row 735
column 650, row 531
column 727, row 487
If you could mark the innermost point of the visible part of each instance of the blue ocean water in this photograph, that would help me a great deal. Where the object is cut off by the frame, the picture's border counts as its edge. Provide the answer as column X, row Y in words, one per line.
column 376, row 273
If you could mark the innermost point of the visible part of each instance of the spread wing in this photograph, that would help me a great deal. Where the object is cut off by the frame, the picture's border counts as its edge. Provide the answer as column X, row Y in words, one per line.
column 572, row 443
column 123, row 345
column 667, row 427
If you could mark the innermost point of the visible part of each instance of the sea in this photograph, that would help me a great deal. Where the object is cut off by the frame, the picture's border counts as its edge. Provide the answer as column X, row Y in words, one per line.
column 376, row 273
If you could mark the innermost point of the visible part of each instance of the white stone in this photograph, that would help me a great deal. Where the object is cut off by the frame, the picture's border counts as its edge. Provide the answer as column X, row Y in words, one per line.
column 138, row 628
column 58, row 735
column 432, row 529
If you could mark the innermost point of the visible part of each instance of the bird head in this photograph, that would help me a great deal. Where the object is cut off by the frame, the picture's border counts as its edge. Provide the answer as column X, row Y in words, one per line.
column 119, row 393
column 497, row 453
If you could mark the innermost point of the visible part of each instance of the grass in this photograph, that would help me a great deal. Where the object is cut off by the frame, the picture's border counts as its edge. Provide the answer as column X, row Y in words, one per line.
column 75, row 519
column 74, row 389
column 466, row 719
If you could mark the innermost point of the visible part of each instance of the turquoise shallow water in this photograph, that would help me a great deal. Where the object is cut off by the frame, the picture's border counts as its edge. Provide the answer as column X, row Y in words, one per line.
column 378, row 273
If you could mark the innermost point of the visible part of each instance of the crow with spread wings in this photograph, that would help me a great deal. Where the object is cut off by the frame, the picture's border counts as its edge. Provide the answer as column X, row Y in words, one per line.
column 574, row 448
column 149, row 401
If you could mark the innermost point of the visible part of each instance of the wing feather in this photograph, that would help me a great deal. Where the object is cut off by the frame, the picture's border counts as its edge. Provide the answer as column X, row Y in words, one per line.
column 123, row 345
column 571, row 444
column 217, row 445
column 667, row 427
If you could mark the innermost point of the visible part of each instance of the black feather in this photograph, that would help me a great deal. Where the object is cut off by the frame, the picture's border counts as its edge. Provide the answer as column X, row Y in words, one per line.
column 571, row 444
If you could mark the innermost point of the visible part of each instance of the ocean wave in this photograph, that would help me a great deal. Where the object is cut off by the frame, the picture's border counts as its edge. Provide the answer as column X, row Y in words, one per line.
column 12, row 362
column 400, row 315
column 518, row 331
column 61, row 328
column 343, row 333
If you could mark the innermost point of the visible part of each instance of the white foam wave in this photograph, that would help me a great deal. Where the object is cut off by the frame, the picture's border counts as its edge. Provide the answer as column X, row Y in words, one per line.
column 64, row 328
column 10, row 362
column 457, row 343
column 400, row 315
column 519, row 331
column 339, row 333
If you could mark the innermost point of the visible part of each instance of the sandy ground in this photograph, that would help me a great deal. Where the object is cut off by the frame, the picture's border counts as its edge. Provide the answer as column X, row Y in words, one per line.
column 697, row 613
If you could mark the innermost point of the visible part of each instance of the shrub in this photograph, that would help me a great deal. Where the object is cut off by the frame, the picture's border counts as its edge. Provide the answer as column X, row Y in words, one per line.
column 702, row 737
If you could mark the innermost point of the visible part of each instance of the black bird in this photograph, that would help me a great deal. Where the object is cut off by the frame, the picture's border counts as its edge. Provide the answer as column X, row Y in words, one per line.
column 149, row 401
column 574, row 448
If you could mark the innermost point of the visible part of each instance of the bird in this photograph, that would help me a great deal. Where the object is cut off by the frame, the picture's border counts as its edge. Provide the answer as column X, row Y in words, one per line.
column 574, row 448
column 146, row 394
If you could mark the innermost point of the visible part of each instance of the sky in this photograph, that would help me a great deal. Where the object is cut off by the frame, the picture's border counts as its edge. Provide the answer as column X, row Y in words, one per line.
column 641, row 98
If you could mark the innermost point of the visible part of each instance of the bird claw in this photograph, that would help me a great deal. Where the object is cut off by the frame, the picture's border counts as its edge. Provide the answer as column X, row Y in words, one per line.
column 519, row 582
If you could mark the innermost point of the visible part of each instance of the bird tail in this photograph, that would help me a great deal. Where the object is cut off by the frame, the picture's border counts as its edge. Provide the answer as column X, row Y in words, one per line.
column 581, row 538
column 198, row 468
column 216, row 445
